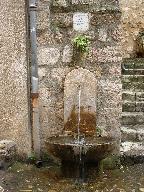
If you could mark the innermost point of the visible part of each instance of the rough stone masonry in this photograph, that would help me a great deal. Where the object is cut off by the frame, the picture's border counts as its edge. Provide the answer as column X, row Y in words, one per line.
column 59, row 22
column 55, row 57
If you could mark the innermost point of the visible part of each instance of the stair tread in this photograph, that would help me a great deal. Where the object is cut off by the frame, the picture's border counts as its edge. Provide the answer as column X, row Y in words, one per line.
column 127, row 75
column 133, row 67
column 131, row 92
column 133, row 130
column 132, row 102
column 132, row 148
column 135, row 127
column 135, row 134
column 132, row 113
column 134, row 60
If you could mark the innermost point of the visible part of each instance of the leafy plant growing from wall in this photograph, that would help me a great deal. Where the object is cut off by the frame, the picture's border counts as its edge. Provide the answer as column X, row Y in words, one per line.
column 81, row 43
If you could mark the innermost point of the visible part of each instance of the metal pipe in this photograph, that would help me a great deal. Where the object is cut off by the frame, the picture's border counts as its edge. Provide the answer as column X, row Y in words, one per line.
column 28, row 76
column 34, row 77
column 33, row 40
column 33, row 3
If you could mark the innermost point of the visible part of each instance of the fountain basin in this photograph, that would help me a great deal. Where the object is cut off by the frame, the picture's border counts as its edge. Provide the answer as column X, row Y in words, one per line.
column 94, row 149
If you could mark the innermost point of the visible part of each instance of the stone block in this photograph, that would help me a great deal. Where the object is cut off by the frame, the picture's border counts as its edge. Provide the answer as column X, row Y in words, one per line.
column 60, row 3
column 43, row 20
column 128, row 96
column 129, row 107
column 134, row 63
column 8, row 151
column 108, row 120
column 139, row 96
column 134, row 118
column 103, row 34
column 107, row 54
column 140, row 106
column 59, row 74
column 133, row 79
column 67, row 54
column 41, row 73
column 62, row 20
column 139, row 86
column 107, row 20
column 129, row 134
column 51, row 118
column 48, row 56
column 129, row 148
column 96, row 3
column 128, row 120
column 128, row 86
column 106, row 96
column 76, row 2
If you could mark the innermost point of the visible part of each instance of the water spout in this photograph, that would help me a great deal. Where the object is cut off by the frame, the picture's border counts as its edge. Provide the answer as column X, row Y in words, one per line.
column 79, row 115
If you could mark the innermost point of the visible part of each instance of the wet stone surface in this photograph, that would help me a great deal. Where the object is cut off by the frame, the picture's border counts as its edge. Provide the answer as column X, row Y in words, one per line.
column 68, row 148
column 50, row 179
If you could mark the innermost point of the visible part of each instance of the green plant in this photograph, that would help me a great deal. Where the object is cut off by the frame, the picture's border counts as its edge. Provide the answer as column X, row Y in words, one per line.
column 32, row 158
column 81, row 42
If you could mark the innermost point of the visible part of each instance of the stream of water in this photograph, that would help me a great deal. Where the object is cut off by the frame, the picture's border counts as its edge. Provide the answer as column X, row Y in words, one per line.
column 79, row 115
column 80, row 143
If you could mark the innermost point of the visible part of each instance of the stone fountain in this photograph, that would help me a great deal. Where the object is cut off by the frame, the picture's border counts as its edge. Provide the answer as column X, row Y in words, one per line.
column 81, row 136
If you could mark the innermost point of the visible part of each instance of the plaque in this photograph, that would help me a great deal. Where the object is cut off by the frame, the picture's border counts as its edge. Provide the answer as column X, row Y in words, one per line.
column 81, row 21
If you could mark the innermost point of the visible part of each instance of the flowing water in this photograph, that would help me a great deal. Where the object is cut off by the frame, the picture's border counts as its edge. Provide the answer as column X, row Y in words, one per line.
column 28, row 178
column 80, row 143
column 79, row 114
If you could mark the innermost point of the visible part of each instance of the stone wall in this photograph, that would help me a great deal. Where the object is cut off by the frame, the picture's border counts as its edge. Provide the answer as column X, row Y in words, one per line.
column 56, row 59
column 132, row 23
column 13, row 75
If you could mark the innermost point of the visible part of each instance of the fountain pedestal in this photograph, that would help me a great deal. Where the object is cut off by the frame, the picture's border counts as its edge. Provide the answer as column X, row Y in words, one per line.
column 94, row 149
column 80, row 122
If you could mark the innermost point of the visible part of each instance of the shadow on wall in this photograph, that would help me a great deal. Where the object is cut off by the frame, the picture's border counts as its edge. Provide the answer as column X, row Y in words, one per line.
column 139, row 45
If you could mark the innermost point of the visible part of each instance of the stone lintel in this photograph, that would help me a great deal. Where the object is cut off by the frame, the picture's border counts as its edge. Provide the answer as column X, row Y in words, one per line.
column 86, row 5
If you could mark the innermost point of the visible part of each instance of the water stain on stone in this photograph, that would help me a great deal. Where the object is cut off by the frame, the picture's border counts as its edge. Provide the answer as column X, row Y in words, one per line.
column 87, row 122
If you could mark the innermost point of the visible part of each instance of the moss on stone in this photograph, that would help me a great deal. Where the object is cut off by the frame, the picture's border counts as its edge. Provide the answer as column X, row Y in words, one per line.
column 111, row 162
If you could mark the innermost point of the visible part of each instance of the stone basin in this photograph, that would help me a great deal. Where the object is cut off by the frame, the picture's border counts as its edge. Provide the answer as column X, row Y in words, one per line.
column 94, row 149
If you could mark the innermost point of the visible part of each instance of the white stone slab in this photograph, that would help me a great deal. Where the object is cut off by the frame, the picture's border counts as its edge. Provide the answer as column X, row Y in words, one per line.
column 81, row 21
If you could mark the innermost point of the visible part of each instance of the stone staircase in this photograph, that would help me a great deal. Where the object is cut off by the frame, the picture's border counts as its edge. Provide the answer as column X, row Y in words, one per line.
column 132, row 129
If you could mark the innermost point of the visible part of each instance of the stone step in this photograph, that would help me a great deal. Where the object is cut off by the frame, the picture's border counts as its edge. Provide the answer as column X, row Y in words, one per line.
column 132, row 78
column 132, row 148
column 132, row 101
column 134, row 63
column 132, row 118
column 133, row 82
column 132, row 134
column 133, row 66
column 132, row 96
column 133, row 72
column 128, row 106
column 133, row 86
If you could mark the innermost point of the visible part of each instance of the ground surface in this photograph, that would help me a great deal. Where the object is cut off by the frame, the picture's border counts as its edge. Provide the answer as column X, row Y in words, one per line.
column 27, row 178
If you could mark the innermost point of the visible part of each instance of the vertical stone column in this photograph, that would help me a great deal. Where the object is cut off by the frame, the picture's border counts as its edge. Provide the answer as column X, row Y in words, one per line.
column 14, row 118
